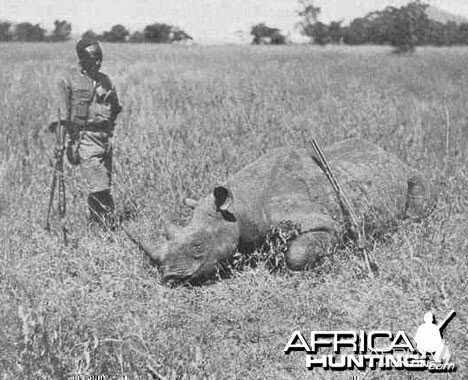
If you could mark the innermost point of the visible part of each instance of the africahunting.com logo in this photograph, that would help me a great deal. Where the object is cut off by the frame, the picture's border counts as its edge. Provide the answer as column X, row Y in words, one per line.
column 377, row 349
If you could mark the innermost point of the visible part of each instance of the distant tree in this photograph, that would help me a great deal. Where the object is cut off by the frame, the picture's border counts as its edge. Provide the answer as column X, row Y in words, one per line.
column 118, row 33
column 5, row 31
column 453, row 34
column 178, row 35
column 463, row 33
column 318, row 32
column 404, row 27
column 61, row 32
column 407, row 22
column 91, row 35
column 163, row 33
column 309, row 25
column 309, row 12
column 436, row 34
column 137, row 37
column 335, row 31
column 263, row 34
column 356, row 32
column 379, row 25
column 420, row 20
column 26, row 31
column 157, row 33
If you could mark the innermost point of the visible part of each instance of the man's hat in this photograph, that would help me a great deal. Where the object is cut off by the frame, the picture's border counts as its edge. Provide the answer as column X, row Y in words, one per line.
column 88, row 49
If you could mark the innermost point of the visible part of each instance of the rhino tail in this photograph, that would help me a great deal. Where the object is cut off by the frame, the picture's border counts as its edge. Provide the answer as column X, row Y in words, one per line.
column 149, row 251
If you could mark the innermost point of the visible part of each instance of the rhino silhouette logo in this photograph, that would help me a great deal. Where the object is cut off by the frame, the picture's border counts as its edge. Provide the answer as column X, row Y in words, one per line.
column 429, row 339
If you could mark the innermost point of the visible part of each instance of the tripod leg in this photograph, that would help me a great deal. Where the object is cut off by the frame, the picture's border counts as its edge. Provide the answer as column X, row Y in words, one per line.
column 51, row 201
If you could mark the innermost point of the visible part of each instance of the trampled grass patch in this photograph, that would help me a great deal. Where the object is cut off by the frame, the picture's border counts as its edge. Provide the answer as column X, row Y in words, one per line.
column 192, row 117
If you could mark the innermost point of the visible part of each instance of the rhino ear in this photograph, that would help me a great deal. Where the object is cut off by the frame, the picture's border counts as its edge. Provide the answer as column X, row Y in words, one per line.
column 223, row 198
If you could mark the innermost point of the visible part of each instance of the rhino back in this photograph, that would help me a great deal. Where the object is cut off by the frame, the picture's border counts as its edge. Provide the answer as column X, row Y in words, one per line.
column 376, row 181
column 288, row 184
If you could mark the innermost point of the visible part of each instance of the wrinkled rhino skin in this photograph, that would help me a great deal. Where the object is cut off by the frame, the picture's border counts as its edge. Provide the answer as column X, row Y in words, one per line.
column 288, row 184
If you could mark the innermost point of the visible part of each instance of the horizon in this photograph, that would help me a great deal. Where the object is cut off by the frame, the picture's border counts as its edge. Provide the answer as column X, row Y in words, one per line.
column 216, row 21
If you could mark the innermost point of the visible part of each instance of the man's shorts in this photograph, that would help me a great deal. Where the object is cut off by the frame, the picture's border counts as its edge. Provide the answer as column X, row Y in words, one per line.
column 96, row 161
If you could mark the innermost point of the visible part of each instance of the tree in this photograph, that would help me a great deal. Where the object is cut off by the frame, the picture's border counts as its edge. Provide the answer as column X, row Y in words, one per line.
column 309, row 12
column 463, row 33
column 61, row 32
column 5, row 31
column 318, row 32
column 356, row 32
column 335, row 31
column 157, row 33
column 263, row 34
column 178, row 35
column 310, row 26
column 164, row 33
column 404, row 28
column 452, row 34
column 137, row 37
column 25, row 31
column 379, row 25
column 407, row 25
column 118, row 33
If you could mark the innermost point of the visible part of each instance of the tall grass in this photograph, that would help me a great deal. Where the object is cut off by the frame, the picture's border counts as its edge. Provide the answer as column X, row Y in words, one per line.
column 192, row 117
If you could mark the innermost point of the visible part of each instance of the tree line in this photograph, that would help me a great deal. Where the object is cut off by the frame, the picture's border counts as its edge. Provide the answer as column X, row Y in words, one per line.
column 402, row 27
column 27, row 32
column 154, row 33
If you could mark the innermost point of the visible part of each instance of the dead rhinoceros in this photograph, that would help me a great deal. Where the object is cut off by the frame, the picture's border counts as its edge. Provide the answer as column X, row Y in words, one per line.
column 288, row 184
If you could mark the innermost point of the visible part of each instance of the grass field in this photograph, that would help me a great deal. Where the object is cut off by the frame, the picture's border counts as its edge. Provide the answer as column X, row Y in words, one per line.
column 192, row 117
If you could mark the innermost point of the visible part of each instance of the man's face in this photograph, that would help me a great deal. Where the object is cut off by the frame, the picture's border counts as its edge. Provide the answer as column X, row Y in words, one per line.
column 92, row 63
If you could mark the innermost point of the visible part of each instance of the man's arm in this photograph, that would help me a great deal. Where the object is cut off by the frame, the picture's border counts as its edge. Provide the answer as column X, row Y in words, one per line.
column 113, row 100
column 107, row 95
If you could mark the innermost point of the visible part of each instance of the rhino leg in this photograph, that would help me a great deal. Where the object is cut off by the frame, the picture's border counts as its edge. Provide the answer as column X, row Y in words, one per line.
column 418, row 197
column 307, row 248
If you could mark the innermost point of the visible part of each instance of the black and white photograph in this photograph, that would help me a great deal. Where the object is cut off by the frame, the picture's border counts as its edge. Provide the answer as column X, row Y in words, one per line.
column 233, row 189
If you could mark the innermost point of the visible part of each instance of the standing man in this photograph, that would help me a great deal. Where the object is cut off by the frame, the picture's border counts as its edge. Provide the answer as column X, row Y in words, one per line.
column 91, row 106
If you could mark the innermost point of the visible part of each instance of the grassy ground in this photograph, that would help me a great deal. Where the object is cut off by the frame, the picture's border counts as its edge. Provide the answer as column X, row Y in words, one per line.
column 193, row 116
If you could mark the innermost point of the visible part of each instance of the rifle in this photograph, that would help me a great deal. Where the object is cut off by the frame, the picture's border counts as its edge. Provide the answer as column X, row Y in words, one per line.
column 58, row 181
column 355, row 226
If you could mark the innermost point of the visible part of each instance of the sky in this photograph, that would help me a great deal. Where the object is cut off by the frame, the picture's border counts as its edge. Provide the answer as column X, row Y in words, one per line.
column 208, row 21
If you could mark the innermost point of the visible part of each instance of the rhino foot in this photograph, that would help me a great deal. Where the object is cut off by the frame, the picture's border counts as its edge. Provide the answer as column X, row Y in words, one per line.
column 420, row 198
column 307, row 249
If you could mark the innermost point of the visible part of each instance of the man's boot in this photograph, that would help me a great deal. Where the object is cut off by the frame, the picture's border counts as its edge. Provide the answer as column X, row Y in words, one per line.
column 101, row 209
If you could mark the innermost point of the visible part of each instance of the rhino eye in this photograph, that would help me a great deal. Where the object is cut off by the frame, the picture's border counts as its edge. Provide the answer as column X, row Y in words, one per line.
column 196, row 250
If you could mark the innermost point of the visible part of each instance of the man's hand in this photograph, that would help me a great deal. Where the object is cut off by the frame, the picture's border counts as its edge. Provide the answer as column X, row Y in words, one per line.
column 58, row 152
column 53, row 126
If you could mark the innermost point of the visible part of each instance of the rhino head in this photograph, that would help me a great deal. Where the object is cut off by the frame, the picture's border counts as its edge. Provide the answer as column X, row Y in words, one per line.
column 192, row 253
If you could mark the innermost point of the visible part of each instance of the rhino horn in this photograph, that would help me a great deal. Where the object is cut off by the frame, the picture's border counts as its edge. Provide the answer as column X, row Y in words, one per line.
column 170, row 230
column 151, row 252
column 192, row 203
